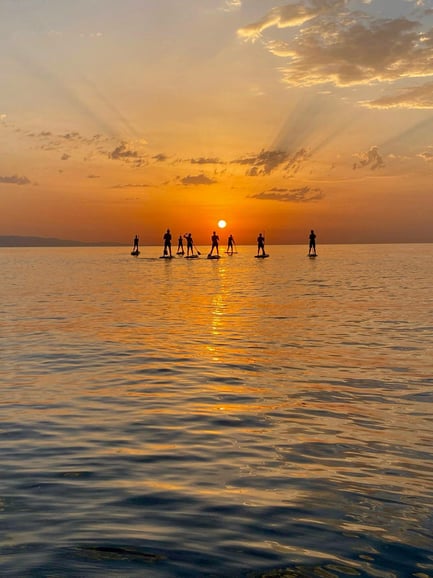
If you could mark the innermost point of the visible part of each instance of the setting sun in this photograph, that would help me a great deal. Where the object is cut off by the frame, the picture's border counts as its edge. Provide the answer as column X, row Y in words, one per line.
column 222, row 224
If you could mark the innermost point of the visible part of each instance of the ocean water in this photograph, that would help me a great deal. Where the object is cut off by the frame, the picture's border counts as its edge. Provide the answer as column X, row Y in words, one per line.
column 233, row 418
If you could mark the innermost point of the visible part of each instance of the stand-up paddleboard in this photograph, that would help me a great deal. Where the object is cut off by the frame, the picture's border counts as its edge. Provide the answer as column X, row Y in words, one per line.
column 312, row 256
column 213, row 257
column 167, row 257
column 135, row 253
column 191, row 257
column 180, row 253
column 262, row 256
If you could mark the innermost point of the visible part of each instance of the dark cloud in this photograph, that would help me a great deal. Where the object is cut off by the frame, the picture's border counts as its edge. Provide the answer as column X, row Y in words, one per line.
column 15, row 180
column 206, row 161
column 71, row 136
column 267, row 161
column 197, row 180
column 127, row 154
column 370, row 158
column 295, row 195
column 264, row 162
column 160, row 157
column 130, row 186
column 65, row 157
column 122, row 152
column 296, row 160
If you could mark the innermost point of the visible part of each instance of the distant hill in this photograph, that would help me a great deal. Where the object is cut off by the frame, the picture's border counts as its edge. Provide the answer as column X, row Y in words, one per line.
column 17, row 241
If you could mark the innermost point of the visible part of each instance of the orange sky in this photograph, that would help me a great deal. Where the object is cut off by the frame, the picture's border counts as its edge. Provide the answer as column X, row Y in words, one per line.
column 124, row 118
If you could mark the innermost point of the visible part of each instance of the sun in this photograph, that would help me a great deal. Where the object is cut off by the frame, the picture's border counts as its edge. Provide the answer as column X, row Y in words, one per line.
column 222, row 224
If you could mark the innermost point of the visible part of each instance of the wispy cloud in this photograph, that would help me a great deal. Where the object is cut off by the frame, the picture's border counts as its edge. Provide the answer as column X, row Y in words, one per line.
column 14, row 180
column 427, row 154
column 231, row 5
column 281, row 17
column 420, row 97
column 206, row 161
column 130, row 186
column 295, row 195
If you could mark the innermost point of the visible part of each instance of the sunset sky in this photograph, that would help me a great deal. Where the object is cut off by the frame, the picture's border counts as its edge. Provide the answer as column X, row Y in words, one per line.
column 120, row 117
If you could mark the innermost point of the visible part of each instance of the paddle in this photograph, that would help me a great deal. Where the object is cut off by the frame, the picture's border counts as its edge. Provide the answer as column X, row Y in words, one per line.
column 198, row 252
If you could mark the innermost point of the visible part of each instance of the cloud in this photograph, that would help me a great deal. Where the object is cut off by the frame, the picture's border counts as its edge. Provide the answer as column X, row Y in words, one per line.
column 65, row 157
column 231, row 5
column 14, row 180
column 160, row 157
column 370, row 158
column 206, row 161
column 129, row 155
column 267, row 161
column 296, row 160
column 93, row 177
column 130, row 186
column 328, row 43
column 420, row 97
column 197, row 180
column 264, row 162
column 282, row 17
column 427, row 155
column 296, row 195
column 70, row 137
column 122, row 152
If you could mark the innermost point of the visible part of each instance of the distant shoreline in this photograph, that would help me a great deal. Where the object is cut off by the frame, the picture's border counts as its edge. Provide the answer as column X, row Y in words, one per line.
column 18, row 241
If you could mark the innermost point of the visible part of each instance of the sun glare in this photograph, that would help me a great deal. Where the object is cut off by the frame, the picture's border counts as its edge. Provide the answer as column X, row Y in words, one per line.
column 222, row 224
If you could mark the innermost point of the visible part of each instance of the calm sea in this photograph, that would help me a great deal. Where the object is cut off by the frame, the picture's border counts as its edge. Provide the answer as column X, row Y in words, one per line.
column 234, row 418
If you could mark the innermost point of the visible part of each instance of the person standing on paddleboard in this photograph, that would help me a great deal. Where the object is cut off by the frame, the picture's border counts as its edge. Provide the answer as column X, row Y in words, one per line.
column 135, row 247
column 260, row 244
column 189, row 244
column 312, row 244
column 180, row 250
column 230, row 244
column 214, row 240
column 167, row 243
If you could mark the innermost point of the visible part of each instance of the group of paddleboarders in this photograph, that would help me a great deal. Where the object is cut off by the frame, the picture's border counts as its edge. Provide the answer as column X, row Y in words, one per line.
column 190, row 247
column 231, row 245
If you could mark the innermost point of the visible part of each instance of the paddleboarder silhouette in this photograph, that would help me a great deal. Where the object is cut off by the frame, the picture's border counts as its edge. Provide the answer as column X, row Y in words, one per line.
column 260, row 244
column 214, row 240
column 312, row 243
column 135, row 251
column 180, row 250
column 189, row 244
column 230, row 244
column 167, row 243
